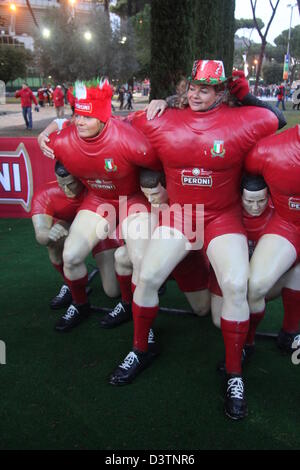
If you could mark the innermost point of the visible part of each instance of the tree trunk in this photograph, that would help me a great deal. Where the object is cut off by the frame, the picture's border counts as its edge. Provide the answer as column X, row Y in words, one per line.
column 184, row 31
column 259, row 65
column 171, row 44
column 228, row 22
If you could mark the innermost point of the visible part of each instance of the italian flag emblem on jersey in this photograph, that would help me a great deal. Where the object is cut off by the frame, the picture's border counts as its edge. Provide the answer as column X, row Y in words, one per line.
column 218, row 149
column 109, row 165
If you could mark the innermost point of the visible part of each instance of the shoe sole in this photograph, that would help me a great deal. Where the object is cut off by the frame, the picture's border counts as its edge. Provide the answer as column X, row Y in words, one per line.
column 128, row 382
column 114, row 325
column 60, row 307
column 235, row 417
column 70, row 328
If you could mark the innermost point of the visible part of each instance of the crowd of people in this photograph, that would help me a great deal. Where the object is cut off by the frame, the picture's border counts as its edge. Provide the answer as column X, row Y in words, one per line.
column 164, row 192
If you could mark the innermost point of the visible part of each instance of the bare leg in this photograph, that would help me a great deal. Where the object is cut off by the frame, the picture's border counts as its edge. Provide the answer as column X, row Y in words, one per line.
column 83, row 237
column 228, row 255
column 55, row 252
column 272, row 257
column 199, row 301
column 123, row 265
column 166, row 250
column 105, row 263
column 137, row 230
column 80, row 242
column 216, row 309
column 290, row 280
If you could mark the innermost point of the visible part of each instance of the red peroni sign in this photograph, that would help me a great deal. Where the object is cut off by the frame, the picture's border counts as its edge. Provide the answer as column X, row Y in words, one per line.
column 23, row 169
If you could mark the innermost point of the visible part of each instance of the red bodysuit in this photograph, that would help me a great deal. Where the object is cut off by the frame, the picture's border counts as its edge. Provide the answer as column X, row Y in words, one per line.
column 52, row 201
column 203, row 154
column 255, row 227
column 277, row 159
column 106, row 164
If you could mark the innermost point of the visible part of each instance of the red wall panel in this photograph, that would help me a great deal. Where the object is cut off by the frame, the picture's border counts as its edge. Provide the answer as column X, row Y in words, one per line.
column 23, row 169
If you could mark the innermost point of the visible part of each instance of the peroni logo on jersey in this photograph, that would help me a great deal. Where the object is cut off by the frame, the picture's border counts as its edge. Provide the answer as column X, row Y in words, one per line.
column 294, row 203
column 196, row 177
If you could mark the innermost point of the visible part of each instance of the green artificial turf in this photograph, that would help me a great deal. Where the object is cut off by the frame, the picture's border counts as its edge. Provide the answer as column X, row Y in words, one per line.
column 54, row 390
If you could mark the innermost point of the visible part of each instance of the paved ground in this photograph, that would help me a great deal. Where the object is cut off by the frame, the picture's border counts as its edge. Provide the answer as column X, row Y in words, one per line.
column 12, row 122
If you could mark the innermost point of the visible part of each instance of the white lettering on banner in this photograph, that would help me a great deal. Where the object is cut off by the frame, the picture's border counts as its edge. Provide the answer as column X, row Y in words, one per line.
column 5, row 177
column 16, row 181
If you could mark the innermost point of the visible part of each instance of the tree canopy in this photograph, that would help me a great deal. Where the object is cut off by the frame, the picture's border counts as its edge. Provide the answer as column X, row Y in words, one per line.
column 14, row 62
column 68, row 55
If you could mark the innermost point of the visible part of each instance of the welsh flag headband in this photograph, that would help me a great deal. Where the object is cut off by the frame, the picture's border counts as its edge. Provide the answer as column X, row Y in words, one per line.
column 93, row 99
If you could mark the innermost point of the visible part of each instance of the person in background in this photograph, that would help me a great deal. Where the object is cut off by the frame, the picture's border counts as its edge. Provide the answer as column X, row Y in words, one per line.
column 27, row 97
column 49, row 92
column 129, row 99
column 71, row 99
column 41, row 95
column 121, row 97
column 281, row 96
column 58, row 100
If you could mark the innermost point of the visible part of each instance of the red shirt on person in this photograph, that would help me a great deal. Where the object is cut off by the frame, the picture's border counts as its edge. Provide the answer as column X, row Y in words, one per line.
column 58, row 97
column 71, row 97
column 203, row 156
column 277, row 159
column 108, row 164
column 203, row 153
column 26, row 96
column 51, row 200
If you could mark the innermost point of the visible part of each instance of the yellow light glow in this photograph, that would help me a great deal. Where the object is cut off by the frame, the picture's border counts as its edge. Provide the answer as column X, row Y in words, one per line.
column 13, row 7
column 87, row 36
column 46, row 33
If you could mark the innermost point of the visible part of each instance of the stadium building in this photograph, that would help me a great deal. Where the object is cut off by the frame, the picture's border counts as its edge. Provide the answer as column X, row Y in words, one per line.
column 20, row 20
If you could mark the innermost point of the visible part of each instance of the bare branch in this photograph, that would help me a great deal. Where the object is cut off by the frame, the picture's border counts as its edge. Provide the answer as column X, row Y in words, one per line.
column 272, row 16
column 274, row 8
column 253, row 7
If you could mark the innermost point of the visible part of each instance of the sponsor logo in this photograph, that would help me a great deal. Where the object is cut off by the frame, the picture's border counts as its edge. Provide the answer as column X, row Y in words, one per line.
column 101, row 184
column 87, row 107
column 16, row 181
column 218, row 149
column 196, row 177
column 109, row 165
column 294, row 203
